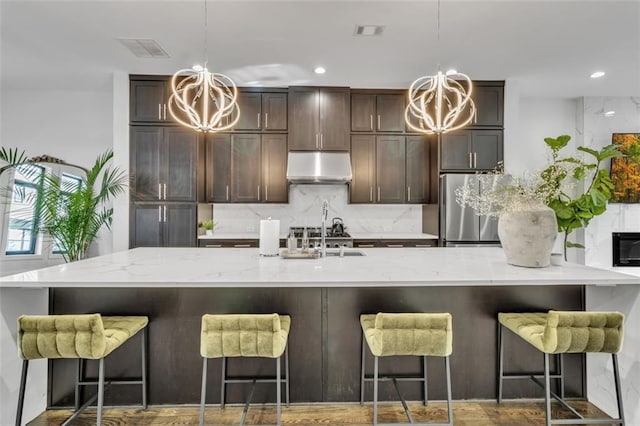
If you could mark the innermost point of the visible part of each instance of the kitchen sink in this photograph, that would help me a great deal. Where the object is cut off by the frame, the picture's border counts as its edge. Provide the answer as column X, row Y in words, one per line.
column 347, row 253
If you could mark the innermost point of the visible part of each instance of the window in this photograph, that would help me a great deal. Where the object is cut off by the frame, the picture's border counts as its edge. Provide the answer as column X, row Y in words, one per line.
column 23, row 219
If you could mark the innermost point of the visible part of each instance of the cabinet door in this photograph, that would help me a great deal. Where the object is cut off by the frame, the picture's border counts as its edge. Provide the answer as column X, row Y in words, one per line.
column 362, row 111
column 390, row 169
column 487, row 149
column 146, row 163
column 334, row 119
column 303, row 115
column 390, row 113
column 274, row 111
column 275, row 188
column 218, row 168
column 250, row 105
column 363, row 160
column 489, row 102
column 418, row 169
column 146, row 225
column 179, row 225
column 148, row 101
column 456, row 151
column 245, row 168
column 180, row 164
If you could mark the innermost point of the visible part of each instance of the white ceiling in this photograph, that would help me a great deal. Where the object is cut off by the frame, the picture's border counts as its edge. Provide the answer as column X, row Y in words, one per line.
column 549, row 47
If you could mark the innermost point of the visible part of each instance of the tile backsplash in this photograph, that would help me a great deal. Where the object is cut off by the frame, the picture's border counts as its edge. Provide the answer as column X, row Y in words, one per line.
column 305, row 209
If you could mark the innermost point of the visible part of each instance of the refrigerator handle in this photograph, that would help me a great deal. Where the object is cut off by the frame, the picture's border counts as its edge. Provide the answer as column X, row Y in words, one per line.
column 442, row 199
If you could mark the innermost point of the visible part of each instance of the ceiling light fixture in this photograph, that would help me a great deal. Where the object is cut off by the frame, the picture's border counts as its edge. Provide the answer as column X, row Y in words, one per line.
column 206, row 101
column 597, row 74
column 319, row 70
column 441, row 103
column 609, row 113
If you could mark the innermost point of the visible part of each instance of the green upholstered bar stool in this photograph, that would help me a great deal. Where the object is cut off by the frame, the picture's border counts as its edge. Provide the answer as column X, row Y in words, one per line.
column 560, row 332
column 245, row 335
column 410, row 334
column 81, row 337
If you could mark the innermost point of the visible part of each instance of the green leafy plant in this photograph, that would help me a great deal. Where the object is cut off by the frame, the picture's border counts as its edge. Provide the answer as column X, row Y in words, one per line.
column 72, row 212
column 565, row 173
column 207, row 225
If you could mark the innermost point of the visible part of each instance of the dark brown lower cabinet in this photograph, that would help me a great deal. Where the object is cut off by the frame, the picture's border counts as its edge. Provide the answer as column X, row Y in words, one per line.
column 419, row 243
column 163, row 225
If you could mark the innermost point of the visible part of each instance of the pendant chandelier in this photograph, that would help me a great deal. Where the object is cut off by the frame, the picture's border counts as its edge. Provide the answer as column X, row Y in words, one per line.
column 203, row 100
column 440, row 103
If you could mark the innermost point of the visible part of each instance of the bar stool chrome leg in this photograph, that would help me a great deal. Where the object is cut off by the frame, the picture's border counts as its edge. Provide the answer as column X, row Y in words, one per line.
column 23, row 385
column 362, row 372
column 223, row 385
column 424, row 370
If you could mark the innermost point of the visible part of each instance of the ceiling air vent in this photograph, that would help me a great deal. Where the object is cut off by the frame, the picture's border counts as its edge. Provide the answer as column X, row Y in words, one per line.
column 144, row 47
column 368, row 30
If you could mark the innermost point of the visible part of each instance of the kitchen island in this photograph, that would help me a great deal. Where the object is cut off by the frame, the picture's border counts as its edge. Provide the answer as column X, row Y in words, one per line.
column 325, row 297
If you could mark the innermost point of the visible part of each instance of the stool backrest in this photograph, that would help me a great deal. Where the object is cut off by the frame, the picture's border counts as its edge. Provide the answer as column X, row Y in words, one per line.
column 242, row 335
column 568, row 331
column 61, row 336
column 427, row 334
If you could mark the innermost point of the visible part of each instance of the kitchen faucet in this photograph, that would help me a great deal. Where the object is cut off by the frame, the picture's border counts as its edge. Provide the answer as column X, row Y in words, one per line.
column 323, row 229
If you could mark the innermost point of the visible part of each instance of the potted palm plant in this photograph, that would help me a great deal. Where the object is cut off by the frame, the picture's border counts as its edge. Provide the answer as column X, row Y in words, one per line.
column 72, row 212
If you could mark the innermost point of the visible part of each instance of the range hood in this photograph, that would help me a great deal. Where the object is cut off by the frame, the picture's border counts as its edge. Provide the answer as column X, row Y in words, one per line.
column 319, row 167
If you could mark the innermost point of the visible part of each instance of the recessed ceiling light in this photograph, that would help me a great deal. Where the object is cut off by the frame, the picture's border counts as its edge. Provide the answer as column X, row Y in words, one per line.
column 597, row 74
column 368, row 30
column 609, row 113
column 319, row 70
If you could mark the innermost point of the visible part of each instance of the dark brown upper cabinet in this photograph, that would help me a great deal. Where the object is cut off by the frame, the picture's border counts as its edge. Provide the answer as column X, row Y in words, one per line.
column 246, row 168
column 262, row 111
column 489, row 101
column 378, row 166
column 148, row 101
column 471, row 150
column 377, row 112
column 418, row 152
column 163, row 163
column 319, row 119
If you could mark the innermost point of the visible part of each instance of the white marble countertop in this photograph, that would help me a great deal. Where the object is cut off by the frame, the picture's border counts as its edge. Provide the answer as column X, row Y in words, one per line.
column 355, row 235
column 381, row 267
column 392, row 236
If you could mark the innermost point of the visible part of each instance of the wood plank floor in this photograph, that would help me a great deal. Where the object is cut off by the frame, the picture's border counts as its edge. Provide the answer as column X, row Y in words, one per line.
column 464, row 413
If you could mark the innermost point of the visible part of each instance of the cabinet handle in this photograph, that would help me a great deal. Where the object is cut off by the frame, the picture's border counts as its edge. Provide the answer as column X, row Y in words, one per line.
column 160, row 214
column 317, row 136
column 470, row 160
column 242, row 245
column 395, row 245
column 378, row 194
column 371, row 121
column 378, row 121
column 258, row 192
column 321, row 141
column 227, row 192
column 165, row 191
column 365, row 245
column 408, row 193
column 159, row 111
column 258, row 121
column 214, row 245
column 266, row 192
column 159, row 191
column 371, row 193
column 475, row 159
column 424, row 245
column 266, row 120
column 165, row 111
column 165, row 214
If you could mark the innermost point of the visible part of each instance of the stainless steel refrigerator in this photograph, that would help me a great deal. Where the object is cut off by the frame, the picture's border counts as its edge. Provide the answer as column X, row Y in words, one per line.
column 461, row 226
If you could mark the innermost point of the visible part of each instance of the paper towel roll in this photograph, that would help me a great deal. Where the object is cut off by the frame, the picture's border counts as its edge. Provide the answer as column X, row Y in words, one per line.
column 269, row 237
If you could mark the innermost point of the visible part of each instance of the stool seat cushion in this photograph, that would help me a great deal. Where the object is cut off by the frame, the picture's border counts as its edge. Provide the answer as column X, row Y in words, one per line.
column 89, row 336
column 567, row 331
column 421, row 334
column 244, row 335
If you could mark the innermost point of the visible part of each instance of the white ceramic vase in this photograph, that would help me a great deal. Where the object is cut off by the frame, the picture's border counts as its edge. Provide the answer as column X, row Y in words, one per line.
column 527, row 237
